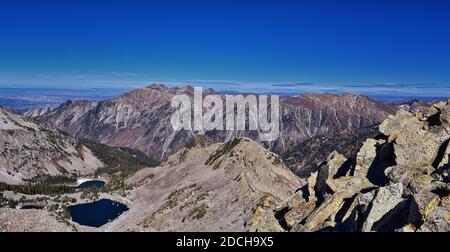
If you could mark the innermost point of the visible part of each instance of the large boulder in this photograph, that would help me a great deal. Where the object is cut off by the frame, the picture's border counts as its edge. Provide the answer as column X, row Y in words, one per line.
column 422, row 205
column 436, row 216
column 365, row 157
column 402, row 121
column 445, row 114
column 417, row 148
column 365, row 199
column 405, row 173
column 295, row 209
column 437, row 221
column 321, row 182
column 435, row 109
column 335, row 161
column 444, row 163
column 386, row 199
column 420, row 183
column 350, row 218
column 331, row 205
column 349, row 186
column 412, row 144
column 311, row 184
column 299, row 228
column 298, row 214
column 264, row 220
column 352, row 214
column 293, row 201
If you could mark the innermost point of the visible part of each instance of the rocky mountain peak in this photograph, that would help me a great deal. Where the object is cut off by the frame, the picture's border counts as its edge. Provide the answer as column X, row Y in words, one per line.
column 155, row 86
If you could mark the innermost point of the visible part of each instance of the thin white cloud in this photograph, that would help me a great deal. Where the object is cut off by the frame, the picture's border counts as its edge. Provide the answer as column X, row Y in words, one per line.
column 126, row 80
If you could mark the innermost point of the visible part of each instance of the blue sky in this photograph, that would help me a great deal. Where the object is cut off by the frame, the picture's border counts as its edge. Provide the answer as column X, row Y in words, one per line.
column 372, row 47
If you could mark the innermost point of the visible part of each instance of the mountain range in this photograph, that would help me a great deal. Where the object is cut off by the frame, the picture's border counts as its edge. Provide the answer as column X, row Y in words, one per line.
column 342, row 163
column 140, row 119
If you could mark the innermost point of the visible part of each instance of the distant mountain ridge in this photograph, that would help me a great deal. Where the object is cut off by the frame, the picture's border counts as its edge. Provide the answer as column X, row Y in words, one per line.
column 28, row 150
column 141, row 119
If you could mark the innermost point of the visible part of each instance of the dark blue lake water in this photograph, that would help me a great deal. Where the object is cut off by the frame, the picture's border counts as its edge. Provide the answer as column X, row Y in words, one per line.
column 97, row 213
column 92, row 183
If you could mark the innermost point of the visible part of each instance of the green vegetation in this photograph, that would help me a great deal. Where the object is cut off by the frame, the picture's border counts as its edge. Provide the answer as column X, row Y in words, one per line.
column 222, row 150
column 200, row 197
column 3, row 200
column 198, row 140
column 120, row 163
column 197, row 212
column 119, row 158
column 64, row 213
column 12, row 203
column 277, row 161
column 31, row 189
column 91, row 193
column 65, row 200
column 44, row 184
column 174, row 199
column 52, row 180
column 52, row 207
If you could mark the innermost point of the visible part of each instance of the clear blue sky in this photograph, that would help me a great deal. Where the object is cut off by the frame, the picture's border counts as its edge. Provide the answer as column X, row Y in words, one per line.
column 374, row 47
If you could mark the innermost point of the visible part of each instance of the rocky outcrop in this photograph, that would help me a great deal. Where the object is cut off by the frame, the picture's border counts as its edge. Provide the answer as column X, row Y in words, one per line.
column 335, row 161
column 386, row 199
column 324, row 211
column 398, row 181
column 413, row 144
column 365, row 157
column 349, row 185
column 140, row 119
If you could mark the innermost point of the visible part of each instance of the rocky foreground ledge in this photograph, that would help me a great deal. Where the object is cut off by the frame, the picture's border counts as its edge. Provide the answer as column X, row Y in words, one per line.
column 398, row 182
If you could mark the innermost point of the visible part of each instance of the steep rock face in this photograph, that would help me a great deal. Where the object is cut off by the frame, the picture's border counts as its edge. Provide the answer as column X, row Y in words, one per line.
column 28, row 149
column 413, row 144
column 141, row 119
column 220, row 187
